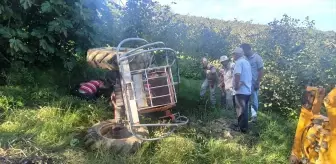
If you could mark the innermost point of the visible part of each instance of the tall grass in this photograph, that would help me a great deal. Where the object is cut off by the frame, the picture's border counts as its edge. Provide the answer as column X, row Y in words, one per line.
column 41, row 118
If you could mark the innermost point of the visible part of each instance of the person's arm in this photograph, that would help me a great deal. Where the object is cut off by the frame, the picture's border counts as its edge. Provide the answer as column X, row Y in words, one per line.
column 232, row 69
column 260, row 75
column 260, row 65
column 237, row 71
column 212, row 76
column 236, row 81
column 221, row 78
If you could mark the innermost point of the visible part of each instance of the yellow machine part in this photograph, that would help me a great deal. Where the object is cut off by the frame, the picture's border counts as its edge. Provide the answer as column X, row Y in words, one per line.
column 311, row 105
column 315, row 137
column 330, row 104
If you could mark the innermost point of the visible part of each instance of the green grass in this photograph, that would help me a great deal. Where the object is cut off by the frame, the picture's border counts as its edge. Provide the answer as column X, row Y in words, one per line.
column 44, row 120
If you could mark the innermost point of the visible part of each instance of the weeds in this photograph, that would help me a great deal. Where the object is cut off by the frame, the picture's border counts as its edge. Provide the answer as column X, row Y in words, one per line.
column 44, row 121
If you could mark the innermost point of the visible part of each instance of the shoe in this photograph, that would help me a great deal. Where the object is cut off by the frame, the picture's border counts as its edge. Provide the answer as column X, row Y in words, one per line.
column 235, row 127
column 243, row 131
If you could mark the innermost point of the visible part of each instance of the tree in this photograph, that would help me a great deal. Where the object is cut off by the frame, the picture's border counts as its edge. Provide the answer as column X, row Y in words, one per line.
column 52, row 31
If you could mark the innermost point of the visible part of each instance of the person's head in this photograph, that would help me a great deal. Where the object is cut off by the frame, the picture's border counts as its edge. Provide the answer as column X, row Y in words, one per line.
column 204, row 62
column 224, row 60
column 247, row 49
column 237, row 53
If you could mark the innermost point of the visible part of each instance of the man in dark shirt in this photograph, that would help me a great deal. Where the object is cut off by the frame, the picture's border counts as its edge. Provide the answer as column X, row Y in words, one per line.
column 257, row 67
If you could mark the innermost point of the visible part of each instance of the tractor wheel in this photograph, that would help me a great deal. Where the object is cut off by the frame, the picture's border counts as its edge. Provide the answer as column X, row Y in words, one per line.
column 108, row 135
column 105, row 58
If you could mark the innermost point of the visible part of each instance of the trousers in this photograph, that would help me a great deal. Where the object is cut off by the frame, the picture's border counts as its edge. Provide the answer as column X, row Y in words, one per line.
column 205, row 85
column 242, row 110
column 254, row 103
column 227, row 99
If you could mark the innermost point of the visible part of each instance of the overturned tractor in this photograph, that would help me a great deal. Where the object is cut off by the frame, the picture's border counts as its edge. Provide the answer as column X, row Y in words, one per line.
column 146, row 83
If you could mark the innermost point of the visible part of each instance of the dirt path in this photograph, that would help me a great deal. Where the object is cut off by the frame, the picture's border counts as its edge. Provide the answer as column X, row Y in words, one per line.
column 218, row 128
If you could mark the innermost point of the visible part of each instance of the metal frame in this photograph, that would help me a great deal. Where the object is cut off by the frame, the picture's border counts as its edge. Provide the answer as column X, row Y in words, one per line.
column 126, row 80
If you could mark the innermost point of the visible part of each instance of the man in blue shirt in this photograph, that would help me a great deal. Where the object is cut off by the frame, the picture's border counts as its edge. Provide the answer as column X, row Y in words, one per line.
column 242, row 83
column 257, row 67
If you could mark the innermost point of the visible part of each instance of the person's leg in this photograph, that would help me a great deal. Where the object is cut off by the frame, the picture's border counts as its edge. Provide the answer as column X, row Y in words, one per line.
column 234, row 101
column 204, row 87
column 239, row 111
column 242, row 112
column 242, row 117
column 254, row 104
column 228, row 99
column 239, row 105
column 223, row 98
column 245, row 114
column 213, row 95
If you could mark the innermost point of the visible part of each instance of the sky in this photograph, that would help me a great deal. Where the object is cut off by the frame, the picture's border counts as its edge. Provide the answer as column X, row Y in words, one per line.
column 260, row 11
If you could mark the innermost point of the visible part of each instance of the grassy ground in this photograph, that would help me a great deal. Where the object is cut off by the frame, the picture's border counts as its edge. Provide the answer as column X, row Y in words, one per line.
column 43, row 120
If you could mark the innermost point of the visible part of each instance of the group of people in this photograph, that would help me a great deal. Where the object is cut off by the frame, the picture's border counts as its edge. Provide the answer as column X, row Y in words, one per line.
column 239, row 82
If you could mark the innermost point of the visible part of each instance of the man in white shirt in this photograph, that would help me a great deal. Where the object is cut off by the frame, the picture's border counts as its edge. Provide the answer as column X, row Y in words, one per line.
column 225, row 84
column 242, row 83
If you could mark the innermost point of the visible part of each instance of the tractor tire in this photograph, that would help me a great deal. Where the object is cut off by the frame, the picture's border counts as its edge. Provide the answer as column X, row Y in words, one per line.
column 105, row 58
column 108, row 135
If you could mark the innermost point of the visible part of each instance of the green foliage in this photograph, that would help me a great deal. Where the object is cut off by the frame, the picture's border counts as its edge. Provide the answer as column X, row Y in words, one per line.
column 53, row 33
column 60, row 32
column 50, row 32
column 19, row 75
column 293, row 53
column 190, row 67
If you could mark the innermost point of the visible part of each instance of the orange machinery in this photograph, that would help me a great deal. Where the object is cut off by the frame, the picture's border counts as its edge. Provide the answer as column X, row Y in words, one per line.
column 315, row 137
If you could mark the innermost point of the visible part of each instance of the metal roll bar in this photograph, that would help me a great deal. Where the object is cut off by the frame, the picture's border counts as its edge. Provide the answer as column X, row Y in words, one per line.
column 127, row 40
column 144, row 46
column 180, row 120
column 145, row 51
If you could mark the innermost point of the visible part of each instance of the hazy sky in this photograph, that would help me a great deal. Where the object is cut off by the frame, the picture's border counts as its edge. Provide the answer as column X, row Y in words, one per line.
column 260, row 11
